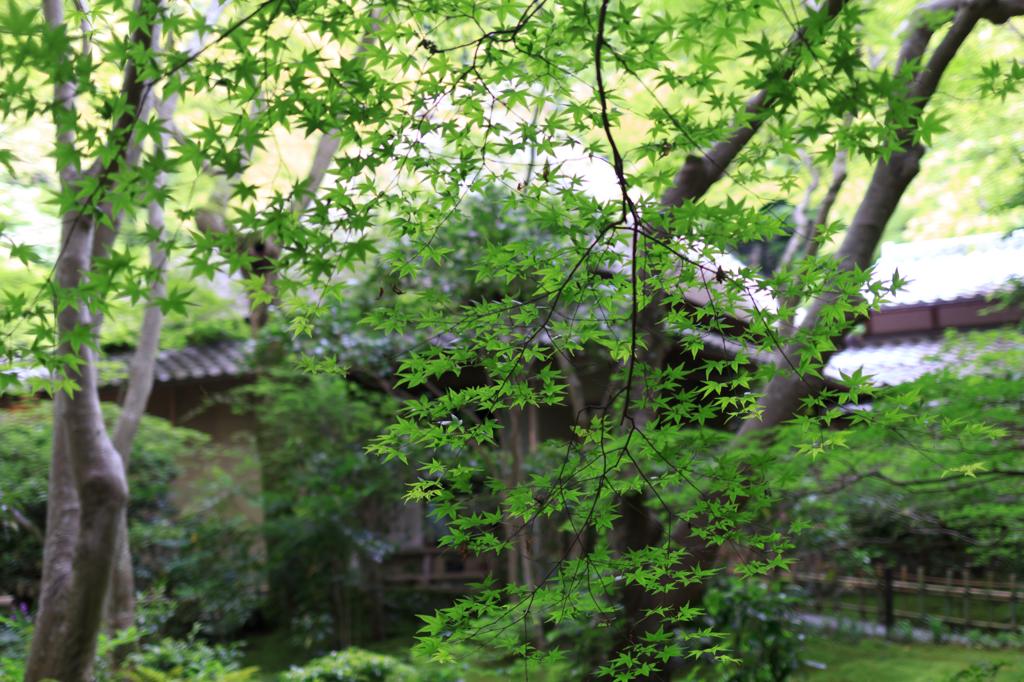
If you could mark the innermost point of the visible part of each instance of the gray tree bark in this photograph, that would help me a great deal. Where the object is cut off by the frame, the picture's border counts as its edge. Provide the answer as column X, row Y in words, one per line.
column 119, row 613
column 88, row 494
column 119, row 609
column 88, row 486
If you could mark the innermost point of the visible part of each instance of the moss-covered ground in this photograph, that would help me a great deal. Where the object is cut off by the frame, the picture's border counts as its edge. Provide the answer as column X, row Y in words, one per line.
column 869, row 660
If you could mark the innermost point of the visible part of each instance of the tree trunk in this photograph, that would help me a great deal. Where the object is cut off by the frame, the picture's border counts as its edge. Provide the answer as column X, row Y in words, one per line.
column 784, row 394
column 119, row 612
column 75, row 580
column 88, row 487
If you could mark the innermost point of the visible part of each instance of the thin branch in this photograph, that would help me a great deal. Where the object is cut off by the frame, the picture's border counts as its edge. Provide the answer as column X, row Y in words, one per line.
column 801, row 216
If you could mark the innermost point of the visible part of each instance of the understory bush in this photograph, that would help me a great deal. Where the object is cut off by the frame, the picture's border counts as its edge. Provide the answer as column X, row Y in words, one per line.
column 977, row 672
column 189, row 658
column 15, row 634
column 938, row 628
column 353, row 665
column 26, row 433
column 757, row 620
column 902, row 631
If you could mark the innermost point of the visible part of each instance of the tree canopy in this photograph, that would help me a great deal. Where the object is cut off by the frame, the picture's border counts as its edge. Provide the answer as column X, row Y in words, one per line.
column 636, row 148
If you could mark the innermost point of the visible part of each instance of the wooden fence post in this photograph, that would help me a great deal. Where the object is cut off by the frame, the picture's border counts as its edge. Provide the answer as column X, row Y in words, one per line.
column 425, row 578
column 949, row 593
column 903, row 590
column 991, row 598
column 863, row 610
column 888, row 600
column 967, row 599
column 920, row 592
column 879, row 594
column 836, row 598
column 1013, row 601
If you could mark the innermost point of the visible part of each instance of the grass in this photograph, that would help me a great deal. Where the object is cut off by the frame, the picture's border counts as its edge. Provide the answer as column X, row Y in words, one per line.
column 870, row 660
column 874, row 660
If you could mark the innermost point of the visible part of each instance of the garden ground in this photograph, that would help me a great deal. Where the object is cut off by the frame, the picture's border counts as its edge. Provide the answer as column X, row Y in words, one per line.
column 869, row 660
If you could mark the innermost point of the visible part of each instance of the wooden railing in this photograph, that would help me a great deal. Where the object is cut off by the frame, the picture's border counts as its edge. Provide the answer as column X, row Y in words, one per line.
column 432, row 573
column 958, row 593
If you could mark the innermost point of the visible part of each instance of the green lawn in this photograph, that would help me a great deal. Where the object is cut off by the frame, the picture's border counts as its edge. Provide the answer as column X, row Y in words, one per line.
column 869, row 661
column 879, row 661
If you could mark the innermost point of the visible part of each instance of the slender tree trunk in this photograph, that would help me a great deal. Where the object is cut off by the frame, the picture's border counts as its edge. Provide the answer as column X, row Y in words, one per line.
column 804, row 242
column 119, row 612
column 86, row 474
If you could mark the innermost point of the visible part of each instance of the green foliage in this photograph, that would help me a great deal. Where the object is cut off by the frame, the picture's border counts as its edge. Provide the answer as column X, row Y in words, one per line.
column 961, row 419
column 978, row 672
column 902, row 631
column 938, row 628
column 188, row 659
column 327, row 503
column 144, row 674
column 574, row 283
column 209, row 319
column 204, row 561
column 213, row 570
column 354, row 665
column 15, row 635
column 757, row 623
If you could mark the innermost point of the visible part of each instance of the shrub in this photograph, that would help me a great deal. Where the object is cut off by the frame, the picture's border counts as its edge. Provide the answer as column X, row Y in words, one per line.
column 758, row 619
column 15, row 634
column 353, row 665
column 190, row 658
column 938, row 628
column 144, row 674
column 977, row 672
column 848, row 630
column 902, row 631
column 988, row 641
column 26, row 433
column 438, row 672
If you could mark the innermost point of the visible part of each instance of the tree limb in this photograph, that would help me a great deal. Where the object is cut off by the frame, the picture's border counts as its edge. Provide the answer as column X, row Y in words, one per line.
column 785, row 394
column 692, row 183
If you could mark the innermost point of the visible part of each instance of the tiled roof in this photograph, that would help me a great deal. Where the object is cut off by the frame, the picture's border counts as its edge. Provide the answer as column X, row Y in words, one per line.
column 224, row 359
column 897, row 360
column 955, row 269
column 891, row 360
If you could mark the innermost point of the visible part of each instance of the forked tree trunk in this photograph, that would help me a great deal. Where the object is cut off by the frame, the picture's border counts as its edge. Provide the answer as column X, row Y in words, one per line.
column 119, row 610
column 783, row 395
column 88, row 486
